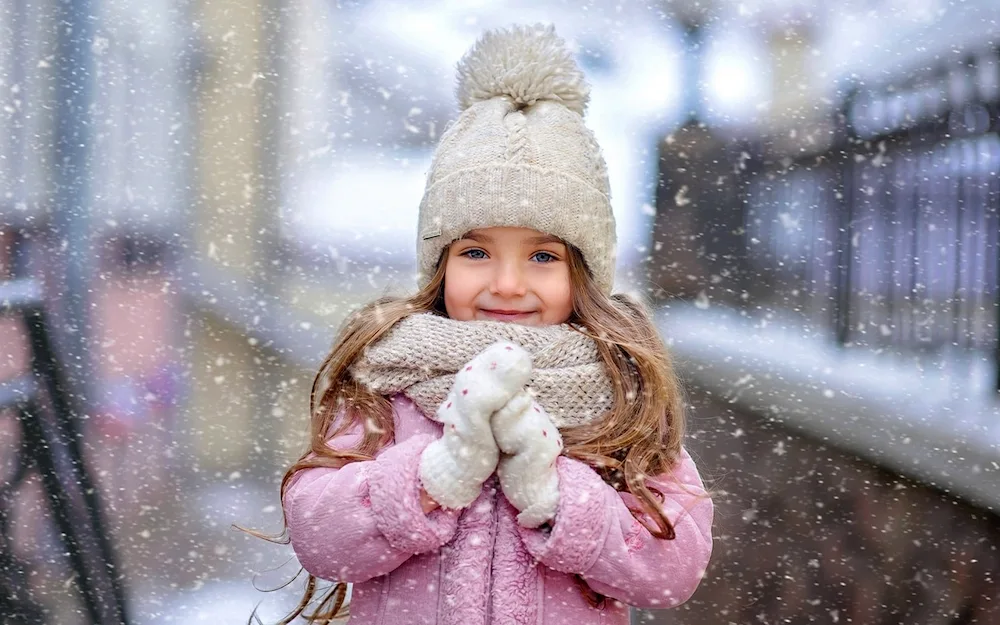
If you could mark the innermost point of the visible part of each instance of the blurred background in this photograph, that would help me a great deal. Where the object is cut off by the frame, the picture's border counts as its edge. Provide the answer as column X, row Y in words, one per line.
column 194, row 194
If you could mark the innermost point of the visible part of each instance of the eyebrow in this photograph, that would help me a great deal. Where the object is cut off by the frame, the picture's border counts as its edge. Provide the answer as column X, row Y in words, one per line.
column 538, row 240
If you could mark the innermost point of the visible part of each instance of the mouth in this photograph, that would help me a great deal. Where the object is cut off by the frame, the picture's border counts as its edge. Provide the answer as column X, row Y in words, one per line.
column 506, row 315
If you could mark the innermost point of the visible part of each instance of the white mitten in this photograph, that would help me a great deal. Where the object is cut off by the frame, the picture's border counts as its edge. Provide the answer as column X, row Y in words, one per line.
column 454, row 467
column 530, row 443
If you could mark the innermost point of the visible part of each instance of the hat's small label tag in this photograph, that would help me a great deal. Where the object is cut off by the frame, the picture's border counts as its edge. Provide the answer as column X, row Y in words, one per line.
column 431, row 234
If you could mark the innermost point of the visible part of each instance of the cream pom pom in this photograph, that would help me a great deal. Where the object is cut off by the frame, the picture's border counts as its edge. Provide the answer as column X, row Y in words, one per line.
column 525, row 63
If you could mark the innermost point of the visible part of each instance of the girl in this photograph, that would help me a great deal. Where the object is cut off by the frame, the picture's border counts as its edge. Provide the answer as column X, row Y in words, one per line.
column 505, row 446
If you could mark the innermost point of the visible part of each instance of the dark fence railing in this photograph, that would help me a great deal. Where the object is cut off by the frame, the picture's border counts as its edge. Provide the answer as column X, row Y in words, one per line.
column 49, row 443
column 889, row 237
column 897, row 225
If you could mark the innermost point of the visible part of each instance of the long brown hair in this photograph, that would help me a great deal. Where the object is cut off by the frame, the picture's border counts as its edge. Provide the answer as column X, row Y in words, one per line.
column 640, row 436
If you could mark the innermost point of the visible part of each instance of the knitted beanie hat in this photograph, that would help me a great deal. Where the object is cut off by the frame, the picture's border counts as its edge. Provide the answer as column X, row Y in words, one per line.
column 519, row 154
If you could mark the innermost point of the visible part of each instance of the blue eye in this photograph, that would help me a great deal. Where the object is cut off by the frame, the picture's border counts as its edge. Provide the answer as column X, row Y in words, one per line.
column 547, row 258
column 474, row 251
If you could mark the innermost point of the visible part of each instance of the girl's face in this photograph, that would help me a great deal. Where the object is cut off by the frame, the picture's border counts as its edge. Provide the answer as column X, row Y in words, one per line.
column 508, row 274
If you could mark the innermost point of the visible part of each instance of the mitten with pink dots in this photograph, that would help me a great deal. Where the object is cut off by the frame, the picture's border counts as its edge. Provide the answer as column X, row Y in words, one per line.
column 530, row 443
column 454, row 467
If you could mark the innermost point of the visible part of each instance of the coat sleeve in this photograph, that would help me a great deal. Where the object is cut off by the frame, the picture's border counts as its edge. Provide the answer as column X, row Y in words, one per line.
column 594, row 534
column 363, row 520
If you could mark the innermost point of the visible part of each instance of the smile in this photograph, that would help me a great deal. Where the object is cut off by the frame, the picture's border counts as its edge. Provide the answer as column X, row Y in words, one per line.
column 506, row 315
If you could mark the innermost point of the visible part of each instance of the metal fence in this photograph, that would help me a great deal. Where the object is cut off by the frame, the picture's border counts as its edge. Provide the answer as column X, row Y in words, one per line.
column 48, row 436
column 889, row 238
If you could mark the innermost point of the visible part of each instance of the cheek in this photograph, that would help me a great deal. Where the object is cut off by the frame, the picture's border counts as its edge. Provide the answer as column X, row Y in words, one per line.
column 458, row 295
column 559, row 294
column 566, row 299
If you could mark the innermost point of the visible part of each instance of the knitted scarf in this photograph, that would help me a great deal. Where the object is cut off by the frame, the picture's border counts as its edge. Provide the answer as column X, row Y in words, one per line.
column 420, row 355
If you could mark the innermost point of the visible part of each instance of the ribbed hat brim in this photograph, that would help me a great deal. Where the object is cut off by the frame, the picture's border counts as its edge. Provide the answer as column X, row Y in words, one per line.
column 519, row 195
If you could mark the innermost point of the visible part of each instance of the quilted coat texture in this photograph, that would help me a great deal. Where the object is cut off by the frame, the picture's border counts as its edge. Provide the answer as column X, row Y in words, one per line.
column 363, row 524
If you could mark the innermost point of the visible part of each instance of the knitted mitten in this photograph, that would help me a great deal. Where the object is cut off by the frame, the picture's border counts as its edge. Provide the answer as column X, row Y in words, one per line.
column 530, row 443
column 454, row 467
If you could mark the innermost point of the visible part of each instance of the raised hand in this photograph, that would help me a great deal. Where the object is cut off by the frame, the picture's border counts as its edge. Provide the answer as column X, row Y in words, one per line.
column 530, row 443
column 454, row 467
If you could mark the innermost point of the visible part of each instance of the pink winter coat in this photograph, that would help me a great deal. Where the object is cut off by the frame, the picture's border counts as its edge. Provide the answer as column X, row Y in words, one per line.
column 363, row 524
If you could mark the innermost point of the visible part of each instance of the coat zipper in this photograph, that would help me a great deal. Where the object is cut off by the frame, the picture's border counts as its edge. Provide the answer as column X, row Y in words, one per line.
column 493, row 546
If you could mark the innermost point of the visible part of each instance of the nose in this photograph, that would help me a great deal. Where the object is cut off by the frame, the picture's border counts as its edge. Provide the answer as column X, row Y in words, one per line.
column 508, row 280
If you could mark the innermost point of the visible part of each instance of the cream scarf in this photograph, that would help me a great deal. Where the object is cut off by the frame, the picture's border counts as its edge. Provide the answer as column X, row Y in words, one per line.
column 420, row 355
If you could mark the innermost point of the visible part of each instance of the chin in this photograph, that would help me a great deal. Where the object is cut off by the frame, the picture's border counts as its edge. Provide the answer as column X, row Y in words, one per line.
column 530, row 322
